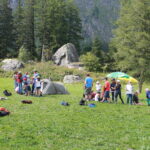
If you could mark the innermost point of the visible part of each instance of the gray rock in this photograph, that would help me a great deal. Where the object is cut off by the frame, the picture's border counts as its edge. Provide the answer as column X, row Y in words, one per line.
column 66, row 55
column 78, row 65
column 72, row 79
column 11, row 64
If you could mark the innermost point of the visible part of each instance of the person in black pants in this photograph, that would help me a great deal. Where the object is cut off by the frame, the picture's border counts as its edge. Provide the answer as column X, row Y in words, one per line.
column 118, row 92
column 113, row 88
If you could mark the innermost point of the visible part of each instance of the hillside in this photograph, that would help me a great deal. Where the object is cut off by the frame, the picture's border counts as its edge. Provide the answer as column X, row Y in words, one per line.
column 98, row 17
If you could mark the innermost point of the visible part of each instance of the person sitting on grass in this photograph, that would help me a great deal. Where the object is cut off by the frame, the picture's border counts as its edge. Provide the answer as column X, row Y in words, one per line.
column 38, row 86
column 136, row 99
column 98, row 96
column 148, row 96
column 148, row 93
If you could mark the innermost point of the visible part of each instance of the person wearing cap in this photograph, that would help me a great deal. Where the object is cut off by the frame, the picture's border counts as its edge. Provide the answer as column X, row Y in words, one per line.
column 118, row 92
column 88, row 84
column 129, row 93
column 98, row 87
column 113, row 88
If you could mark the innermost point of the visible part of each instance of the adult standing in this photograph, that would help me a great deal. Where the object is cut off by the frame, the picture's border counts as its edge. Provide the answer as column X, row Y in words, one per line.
column 118, row 92
column 106, row 90
column 19, row 82
column 15, row 79
column 35, row 75
column 113, row 88
column 88, row 84
column 129, row 93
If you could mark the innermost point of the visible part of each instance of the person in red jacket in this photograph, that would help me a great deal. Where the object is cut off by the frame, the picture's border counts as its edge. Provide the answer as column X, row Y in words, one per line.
column 19, row 81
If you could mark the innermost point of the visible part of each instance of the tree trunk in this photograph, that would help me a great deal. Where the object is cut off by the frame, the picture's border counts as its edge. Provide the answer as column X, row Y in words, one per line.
column 140, row 86
column 141, row 81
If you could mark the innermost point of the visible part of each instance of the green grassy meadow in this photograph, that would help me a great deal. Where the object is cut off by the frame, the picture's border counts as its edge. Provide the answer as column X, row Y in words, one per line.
column 46, row 125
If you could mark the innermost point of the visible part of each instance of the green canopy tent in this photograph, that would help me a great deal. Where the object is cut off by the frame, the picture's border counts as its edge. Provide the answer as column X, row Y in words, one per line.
column 118, row 75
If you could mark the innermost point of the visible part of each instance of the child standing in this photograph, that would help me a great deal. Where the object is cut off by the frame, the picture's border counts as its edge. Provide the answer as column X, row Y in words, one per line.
column 38, row 86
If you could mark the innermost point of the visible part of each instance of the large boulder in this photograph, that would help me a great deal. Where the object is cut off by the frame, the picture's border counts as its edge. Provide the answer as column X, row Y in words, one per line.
column 72, row 79
column 11, row 64
column 66, row 55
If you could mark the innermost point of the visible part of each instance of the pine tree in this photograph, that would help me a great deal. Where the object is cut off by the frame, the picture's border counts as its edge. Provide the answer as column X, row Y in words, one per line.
column 97, row 47
column 58, row 23
column 6, row 29
column 29, row 28
column 19, row 29
column 132, row 38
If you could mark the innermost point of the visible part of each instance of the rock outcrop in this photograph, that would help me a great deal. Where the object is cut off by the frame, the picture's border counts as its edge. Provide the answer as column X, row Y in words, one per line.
column 72, row 79
column 11, row 64
column 66, row 55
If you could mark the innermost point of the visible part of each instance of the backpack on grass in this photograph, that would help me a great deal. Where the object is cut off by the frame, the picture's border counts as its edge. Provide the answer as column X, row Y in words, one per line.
column 3, row 112
column 7, row 93
column 26, row 101
column 82, row 102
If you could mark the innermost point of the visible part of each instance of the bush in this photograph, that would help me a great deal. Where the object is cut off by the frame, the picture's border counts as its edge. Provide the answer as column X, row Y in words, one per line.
column 91, row 62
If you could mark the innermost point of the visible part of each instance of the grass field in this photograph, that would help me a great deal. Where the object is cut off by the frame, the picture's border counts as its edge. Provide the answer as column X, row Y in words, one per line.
column 46, row 125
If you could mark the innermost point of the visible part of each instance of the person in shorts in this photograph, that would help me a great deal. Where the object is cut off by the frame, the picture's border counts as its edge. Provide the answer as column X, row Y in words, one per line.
column 88, row 86
column 27, row 88
column 38, row 86
column 106, row 90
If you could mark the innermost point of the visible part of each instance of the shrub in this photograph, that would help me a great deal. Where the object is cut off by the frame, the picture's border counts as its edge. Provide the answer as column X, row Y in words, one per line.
column 24, row 55
column 91, row 62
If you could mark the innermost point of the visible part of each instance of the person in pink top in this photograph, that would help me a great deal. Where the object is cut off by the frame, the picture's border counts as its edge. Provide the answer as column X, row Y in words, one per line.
column 106, row 90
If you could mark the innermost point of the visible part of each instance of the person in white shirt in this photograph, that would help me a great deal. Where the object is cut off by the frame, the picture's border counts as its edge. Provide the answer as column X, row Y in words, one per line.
column 97, row 97
column 98, row 86
column 38, row 86
column 129, row 93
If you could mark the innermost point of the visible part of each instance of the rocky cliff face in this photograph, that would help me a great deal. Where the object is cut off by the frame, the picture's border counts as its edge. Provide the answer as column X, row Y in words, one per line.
column 98, row 17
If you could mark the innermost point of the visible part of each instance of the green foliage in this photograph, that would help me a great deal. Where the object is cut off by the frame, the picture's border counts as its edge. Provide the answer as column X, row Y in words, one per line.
column 91, row 62
column 19, row 29
column 97, row 48
column 57, row 26
column 132, row 38
column 6, row 30
column 47, row 125
column 24, row 54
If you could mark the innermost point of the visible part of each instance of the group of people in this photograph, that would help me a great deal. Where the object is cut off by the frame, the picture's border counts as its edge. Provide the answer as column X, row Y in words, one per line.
column 24, row 84
column 113, row 90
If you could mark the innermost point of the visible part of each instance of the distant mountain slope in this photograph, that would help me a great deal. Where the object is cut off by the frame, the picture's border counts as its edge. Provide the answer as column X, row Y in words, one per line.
column 98, row 17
